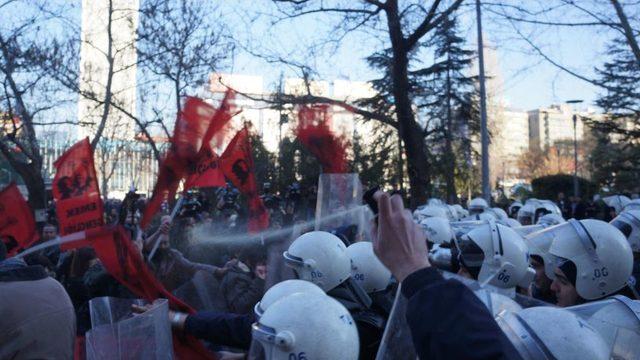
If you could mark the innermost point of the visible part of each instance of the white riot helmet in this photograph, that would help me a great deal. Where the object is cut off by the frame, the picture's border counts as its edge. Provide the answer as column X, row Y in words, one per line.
column 483, row 216
column 319, row 257
column 632, row 205
column 513, row 208
column 304, row 326
column 513, row 223
column 477, row 205
column 628, row 222
column 618, row 202
column 601, row 254
column 546, row 333
column 322, row 258
column 282, row 289
column 366, row 268
column 501, row 214
column 438, row 230
column 462, row 212
column 617, row 319
column 526, row 214
column 550, row 220
column 430, row 211
column 501, row 254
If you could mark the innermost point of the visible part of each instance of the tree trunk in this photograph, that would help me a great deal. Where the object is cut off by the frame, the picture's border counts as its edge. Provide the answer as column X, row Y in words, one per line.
column 410, row 132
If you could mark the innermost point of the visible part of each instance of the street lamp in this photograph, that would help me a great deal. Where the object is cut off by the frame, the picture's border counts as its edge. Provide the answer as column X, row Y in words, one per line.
column 576, row 192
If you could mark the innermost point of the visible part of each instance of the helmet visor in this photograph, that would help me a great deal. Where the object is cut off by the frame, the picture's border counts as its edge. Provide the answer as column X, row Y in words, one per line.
column 262, row 343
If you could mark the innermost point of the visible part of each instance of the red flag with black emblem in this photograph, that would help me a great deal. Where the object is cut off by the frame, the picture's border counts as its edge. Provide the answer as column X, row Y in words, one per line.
column 207, row 172
column 315, row 134
column 76, row 191
column 237, row 165
column 195, row 126
column 124, row 262
column 17, row 226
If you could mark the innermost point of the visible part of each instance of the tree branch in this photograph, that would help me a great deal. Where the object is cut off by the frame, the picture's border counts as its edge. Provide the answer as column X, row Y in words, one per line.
column 628, row 32
column 428, row 23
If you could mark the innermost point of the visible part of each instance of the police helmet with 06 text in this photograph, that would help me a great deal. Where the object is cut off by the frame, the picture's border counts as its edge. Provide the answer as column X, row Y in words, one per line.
column 305, row 326
column 498, row 254
column 322, row 258
column 600, row 253
column 282, row 289
column 366, row 268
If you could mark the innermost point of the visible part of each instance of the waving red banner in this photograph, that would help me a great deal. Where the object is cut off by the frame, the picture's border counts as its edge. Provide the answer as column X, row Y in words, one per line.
column 207, row 172
column 196, row 125
column 237, row 165
column 315, row 134
column 17, row 226
column 75, row 189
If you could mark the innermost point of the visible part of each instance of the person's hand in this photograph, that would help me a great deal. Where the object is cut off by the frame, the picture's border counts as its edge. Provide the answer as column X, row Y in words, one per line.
column 177, row 319
column 165, row 225
column 398, row 242
column 261, row 271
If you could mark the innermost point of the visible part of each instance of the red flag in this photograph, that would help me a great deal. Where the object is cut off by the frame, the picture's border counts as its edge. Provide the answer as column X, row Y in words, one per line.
column 315, row 134
column 196, row 125
column 207, row 172
column 17, row 226
column 75, row 189
column 125, row 263
column 237, row 165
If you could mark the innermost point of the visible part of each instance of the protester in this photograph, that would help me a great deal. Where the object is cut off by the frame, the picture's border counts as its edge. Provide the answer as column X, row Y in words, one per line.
column 37, row 318
column 169, row 265
column 244, row 283
column 47, row 258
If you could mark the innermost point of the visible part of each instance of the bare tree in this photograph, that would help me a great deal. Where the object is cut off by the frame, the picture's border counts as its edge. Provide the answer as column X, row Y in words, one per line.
column 404, row 28
column 28, row 98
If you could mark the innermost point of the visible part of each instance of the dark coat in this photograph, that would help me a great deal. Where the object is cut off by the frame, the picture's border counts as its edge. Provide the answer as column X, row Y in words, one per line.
column 223, row 329
column 447, row 321
column 241, row 289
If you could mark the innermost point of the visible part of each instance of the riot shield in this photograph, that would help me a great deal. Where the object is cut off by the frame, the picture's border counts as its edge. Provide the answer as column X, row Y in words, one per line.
column 202, row 292
column 118, row 334
column 396, row 343
column 617, row 319
column 339, row 207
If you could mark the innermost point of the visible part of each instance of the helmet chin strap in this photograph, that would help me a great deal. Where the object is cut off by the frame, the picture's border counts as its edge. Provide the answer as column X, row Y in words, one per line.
column 358, row 293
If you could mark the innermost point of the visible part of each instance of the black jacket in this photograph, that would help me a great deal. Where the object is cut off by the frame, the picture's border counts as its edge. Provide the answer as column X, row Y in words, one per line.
column 447, row 321
column 224, row 329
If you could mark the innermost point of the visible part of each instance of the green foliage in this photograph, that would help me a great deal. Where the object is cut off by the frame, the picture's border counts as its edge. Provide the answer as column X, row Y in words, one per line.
column 548, row 187
column 615, row 159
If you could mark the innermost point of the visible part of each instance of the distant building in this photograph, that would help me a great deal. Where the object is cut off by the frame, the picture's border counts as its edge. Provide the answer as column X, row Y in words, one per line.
column 548, row 126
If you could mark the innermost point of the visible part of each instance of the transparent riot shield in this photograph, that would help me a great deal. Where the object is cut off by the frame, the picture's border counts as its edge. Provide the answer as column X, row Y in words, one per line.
column 617, row 319
column 202, row 292
column 396, row 343
column 339, row 207
column 119, row 334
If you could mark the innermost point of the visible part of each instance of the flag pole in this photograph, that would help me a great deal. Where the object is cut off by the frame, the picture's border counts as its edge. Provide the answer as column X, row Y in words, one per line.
column 174, row 213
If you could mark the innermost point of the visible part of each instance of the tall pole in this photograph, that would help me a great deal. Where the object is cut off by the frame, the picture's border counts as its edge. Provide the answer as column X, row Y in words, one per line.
column 486, row 186
column 576, row 192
